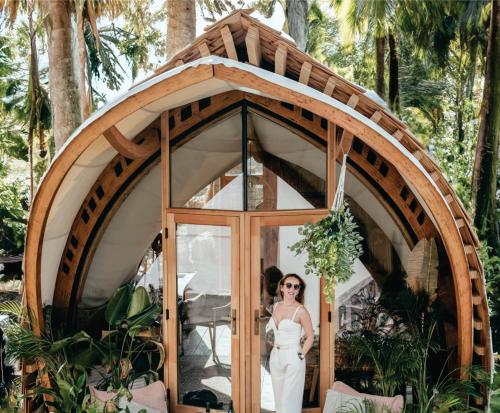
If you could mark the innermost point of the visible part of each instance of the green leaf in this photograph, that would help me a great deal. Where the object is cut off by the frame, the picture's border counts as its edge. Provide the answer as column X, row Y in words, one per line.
column 117, row 307
column 140, row 301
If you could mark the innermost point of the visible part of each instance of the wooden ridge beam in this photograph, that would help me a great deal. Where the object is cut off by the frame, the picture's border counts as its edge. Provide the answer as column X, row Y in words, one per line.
column 227, row 38
column 280, row 59
column 305, row 73
column 128, row 148
column 252, row 41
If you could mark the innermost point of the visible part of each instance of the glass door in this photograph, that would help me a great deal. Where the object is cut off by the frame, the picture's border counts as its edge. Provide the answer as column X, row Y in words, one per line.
column 202, row 311
column 270, row 258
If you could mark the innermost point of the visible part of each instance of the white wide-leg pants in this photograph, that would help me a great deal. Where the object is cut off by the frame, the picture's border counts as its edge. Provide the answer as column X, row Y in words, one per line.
column 288, row 373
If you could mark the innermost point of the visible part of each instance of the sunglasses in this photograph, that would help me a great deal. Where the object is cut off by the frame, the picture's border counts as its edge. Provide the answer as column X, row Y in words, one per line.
column 290, row 285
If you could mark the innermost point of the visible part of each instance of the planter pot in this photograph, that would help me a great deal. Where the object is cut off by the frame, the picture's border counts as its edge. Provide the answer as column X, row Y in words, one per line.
column 152, row 398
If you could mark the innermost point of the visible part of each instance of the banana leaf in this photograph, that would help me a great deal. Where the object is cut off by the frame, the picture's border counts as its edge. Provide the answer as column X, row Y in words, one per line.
column 116, row 310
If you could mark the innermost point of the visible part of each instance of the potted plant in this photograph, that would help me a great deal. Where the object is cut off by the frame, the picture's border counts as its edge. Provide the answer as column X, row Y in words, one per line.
column 332, row 245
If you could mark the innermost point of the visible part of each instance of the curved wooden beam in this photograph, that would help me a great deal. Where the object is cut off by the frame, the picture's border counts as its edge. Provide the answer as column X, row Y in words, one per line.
column 429, row 193
column 130, row 149
column 91, row 132
column 55, row 175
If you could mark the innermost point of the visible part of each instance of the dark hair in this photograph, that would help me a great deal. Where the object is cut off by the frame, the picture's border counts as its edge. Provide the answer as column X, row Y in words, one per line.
column 272, row 276
column 300, row 296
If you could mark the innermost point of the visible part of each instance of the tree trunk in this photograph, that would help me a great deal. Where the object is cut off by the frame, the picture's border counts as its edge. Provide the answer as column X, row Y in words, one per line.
column 82, row 66
column 181, row 27
column 484, row 182
column 63, row 85
column 296, row 15
column 393, row 75
column 380, row 55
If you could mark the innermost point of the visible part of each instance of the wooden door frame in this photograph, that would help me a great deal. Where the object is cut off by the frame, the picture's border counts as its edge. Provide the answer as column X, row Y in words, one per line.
column 255, row 221
column 170, row 339
column 245, row 225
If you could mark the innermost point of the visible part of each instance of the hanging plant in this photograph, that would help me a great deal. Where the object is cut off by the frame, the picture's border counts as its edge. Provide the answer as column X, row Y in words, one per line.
column 332, row 245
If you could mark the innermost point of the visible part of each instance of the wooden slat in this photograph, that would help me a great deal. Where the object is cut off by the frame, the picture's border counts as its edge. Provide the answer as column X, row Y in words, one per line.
column 449, row 198
column 474, row 274
column 377, row 115
column 228, row 40
column 480, row 350
column 353, row 101
column 204, row 50
column 305, row 73
column 128, row 148
column 418, row 154
column 435, row 176
column 331, row 163
column 178, row 63
column 398, row 135
column 469, row 249
column 280, row 59
column 252, row 41
column 478, row 324
column 346, row 141
column 460, row 222
column 330, row 86
column 476, row 299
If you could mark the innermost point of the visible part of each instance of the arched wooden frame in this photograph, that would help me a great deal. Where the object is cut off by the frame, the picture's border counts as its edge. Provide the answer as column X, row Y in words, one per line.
column 405, row 163
column 119, row 178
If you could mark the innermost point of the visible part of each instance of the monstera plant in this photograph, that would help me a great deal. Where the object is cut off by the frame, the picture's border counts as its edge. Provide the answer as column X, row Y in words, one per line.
column 332, row 245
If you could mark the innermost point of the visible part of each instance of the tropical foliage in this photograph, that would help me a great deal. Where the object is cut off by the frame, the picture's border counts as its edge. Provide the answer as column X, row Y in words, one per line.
column 397, row 342
column 331, row 247
column 434, row 61
column 127, row 351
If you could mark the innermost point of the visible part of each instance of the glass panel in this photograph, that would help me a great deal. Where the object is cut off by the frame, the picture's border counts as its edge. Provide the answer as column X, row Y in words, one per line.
column 204, row 311
column 285, row 171
column 379, row 269
column 277, row 259
column 206, row 171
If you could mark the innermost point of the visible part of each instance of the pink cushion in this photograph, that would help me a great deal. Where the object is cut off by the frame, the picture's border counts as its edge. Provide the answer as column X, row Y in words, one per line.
column 395, row 403
column 151, row 397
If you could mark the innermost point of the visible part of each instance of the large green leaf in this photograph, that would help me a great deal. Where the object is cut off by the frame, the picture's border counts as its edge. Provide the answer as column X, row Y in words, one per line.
column 145, row 318
column 116, row 310
column 140, row 301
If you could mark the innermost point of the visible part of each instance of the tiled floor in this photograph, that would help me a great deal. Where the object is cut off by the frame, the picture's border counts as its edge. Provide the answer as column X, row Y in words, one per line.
column 197, row 369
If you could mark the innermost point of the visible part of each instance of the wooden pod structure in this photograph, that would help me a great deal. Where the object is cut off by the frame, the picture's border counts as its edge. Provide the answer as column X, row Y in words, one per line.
column 117, row 165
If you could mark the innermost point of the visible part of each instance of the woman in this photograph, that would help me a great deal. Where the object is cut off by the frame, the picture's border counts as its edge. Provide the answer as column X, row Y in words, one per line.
column 288, row 363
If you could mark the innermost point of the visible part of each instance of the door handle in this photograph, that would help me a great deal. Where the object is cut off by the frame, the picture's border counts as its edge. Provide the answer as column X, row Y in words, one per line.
column 257, row 318
column 233, row 321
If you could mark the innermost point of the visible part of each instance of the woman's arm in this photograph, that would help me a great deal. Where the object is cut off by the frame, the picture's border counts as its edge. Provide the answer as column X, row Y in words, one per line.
column 305, row 321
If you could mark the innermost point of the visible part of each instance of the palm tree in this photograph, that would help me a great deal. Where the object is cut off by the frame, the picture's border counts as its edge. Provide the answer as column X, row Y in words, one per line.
column 63, row 83
column 486, row 172
column 296, row 18
column 378, row 18
column 181, row 27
